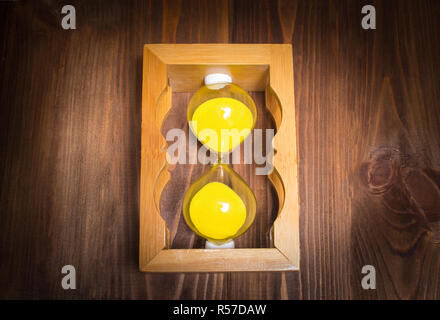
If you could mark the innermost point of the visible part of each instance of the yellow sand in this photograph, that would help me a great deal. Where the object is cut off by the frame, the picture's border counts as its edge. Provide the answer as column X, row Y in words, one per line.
column 217, row 211
column 222, row 113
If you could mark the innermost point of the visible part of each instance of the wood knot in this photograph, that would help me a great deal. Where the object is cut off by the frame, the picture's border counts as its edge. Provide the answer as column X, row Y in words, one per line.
column 405, row 189
column 383, row 169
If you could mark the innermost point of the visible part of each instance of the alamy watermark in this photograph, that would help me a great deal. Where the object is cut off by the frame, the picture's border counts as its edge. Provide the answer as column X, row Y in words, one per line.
column 256, row 148
column 69, row 280
column 69, row 20
column 369, row 20
column 369, row 280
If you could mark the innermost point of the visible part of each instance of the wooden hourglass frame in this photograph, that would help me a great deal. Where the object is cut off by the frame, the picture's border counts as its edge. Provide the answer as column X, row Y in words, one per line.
column 181, row 68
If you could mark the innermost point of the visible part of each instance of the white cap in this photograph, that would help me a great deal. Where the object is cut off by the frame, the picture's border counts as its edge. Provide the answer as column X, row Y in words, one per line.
column 227, row 245
column 215, row 78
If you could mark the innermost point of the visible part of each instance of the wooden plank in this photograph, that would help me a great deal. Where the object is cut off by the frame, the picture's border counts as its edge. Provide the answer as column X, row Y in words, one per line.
column 152, row 237
column 225, row 54
column 70, row 157
column 212, row 260
column 286, row 226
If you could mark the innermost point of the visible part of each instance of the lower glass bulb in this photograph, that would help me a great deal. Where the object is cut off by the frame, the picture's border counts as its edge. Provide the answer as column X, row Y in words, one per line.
column 219, row 206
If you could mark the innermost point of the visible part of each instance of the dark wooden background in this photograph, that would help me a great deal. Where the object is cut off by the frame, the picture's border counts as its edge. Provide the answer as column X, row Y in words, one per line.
column 368, row 121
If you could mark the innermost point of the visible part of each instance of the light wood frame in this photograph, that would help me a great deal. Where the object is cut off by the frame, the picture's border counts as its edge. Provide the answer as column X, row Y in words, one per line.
column 181, row 68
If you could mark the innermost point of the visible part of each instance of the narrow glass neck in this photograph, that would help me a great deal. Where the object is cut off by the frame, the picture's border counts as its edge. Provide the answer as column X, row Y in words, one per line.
column 222, row 158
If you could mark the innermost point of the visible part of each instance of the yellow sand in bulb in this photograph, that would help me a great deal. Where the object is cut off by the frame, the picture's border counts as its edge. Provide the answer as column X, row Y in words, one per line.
column 217, row 211
column 222, row 113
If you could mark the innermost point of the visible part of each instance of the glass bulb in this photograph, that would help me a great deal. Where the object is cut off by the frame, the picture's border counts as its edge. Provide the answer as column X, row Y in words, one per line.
column 219, row 206
column 221, row 106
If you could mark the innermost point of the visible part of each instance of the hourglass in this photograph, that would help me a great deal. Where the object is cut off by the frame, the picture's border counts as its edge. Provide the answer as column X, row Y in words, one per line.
column 219, row 206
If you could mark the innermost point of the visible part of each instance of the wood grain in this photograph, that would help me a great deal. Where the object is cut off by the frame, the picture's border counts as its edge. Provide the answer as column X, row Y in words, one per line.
column 156, row 102
column 70, row 129
column 212, row 260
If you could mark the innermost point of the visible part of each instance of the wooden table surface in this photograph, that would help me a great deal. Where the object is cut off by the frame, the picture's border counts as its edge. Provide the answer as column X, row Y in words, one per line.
column 368, row 121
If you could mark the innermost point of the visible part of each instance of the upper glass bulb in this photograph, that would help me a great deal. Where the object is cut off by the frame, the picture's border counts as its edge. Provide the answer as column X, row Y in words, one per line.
column 221, row 116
